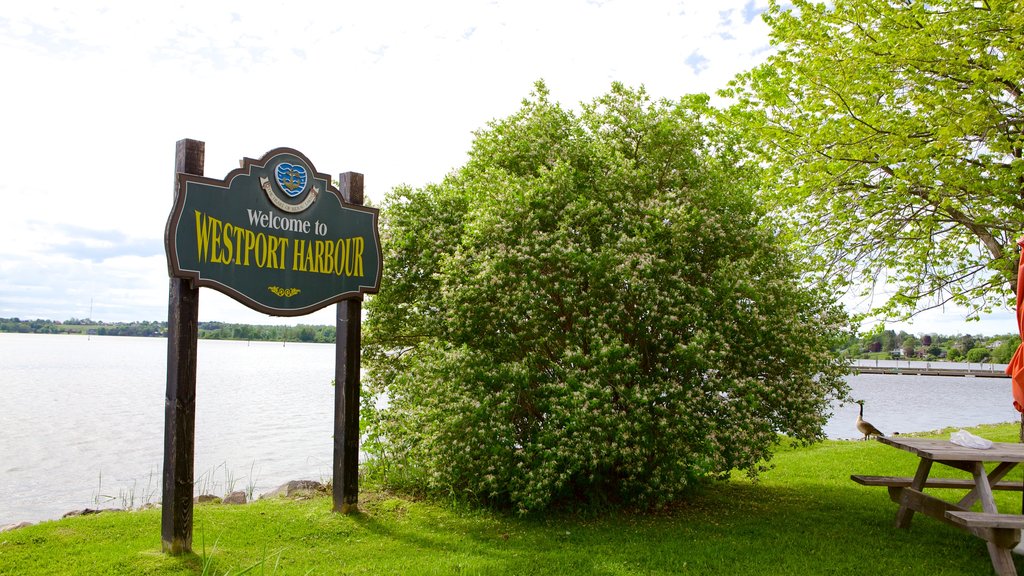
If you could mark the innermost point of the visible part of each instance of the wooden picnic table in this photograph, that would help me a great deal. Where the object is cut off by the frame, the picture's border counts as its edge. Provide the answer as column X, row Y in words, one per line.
column 1000, row 531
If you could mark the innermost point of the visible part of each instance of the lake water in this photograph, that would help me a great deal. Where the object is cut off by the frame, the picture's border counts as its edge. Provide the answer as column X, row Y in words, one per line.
column 82, row 418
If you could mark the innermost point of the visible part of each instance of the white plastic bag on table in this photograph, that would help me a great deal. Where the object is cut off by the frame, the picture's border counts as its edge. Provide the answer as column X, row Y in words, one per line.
column 965, row 438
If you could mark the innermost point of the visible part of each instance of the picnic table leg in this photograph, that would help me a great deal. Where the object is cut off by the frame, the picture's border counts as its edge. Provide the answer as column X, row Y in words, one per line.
column 905, row 514
column 983, row 488
column 996, row 475
column 1002, row 558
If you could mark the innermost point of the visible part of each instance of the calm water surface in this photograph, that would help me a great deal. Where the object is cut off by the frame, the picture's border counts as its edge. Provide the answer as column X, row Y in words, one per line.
column 82, row 418
column 921, row 403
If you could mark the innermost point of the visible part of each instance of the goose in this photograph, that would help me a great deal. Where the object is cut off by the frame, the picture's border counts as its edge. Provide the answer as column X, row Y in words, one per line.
column 866, row 428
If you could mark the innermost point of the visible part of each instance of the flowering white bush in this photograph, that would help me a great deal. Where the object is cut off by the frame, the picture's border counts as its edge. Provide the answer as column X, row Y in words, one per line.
column 591, row 309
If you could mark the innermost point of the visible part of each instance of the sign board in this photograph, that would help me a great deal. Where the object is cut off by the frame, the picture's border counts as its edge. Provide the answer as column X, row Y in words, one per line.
column 275, row 235
column 279, row 238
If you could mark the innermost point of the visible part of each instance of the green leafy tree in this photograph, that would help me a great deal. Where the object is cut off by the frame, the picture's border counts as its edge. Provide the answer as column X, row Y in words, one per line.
column 909, row 346
column 306, row 334
column 1003, row 353
column 893, row 132
column 889, row 341
column 965, row 343
column 591, row 309
column 978, row 354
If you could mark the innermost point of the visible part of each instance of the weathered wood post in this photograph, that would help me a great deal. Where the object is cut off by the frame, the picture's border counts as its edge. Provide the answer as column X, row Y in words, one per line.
column 180, row 398
column 346, row 380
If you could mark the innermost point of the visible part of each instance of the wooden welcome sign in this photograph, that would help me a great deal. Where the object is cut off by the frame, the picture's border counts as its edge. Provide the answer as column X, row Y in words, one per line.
column 277, row 236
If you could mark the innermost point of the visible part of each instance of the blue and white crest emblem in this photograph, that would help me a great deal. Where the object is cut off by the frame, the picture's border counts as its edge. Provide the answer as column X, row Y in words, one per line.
column 291, row 178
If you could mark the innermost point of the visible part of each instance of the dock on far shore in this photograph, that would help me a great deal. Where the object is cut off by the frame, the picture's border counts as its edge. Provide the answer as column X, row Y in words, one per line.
column 912, row 368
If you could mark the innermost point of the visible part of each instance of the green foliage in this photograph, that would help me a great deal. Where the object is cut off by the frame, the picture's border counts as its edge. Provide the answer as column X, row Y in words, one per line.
column 965, row 343
column 1003, row 353
column 299, row 333
column 909, row 346
column 893, row 133
column 591, row 309
column 978, row 354
column 207, row 330
column 77, row 326
column 879, row 343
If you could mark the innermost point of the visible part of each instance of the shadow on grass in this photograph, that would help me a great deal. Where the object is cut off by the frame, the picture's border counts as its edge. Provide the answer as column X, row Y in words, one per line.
column 735, row 528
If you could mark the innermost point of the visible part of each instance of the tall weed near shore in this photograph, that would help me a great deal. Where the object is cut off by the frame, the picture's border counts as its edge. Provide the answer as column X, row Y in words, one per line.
column 802, row 517
column 251, row 480
column 126, row 495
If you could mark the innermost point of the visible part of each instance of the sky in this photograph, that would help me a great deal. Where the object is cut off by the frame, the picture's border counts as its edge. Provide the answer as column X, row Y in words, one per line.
column 96, row 94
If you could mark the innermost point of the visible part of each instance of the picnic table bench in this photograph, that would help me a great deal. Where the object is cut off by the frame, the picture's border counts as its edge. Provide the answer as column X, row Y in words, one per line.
column 954, row 483
column 1001, row 532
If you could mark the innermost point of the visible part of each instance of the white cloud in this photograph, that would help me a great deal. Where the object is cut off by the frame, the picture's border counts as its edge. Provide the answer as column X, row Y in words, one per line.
column 97, row 92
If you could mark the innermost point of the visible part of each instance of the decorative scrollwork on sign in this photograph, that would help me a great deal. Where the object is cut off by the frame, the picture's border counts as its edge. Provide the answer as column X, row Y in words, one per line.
column 284, row 292
column 292, row 208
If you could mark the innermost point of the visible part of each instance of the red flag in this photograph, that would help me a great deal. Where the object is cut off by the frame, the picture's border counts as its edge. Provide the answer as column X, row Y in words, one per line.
column 1016, row 367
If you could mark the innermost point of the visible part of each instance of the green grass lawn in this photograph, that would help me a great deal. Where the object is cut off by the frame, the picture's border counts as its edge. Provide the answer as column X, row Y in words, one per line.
column 803, row 517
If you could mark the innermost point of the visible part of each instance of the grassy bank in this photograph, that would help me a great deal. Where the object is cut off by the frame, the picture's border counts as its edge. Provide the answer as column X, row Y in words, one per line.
column 803, row 517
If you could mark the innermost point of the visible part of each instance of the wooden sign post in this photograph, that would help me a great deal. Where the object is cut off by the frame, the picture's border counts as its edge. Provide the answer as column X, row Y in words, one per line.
column 346, row 381
column 180, row 400
column 278, row 237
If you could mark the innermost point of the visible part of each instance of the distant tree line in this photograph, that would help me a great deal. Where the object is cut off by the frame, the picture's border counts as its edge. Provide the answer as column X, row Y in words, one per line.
column 207, row 330
column 889, row 344
column 885, row 344
column 300, row 333
column 83, row 326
